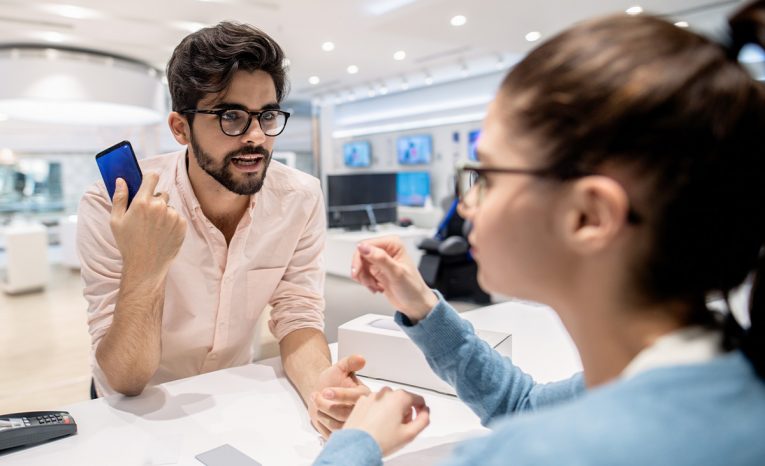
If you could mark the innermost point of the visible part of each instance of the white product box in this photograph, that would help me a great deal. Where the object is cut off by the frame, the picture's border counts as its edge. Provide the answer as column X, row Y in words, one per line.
column 391, row 355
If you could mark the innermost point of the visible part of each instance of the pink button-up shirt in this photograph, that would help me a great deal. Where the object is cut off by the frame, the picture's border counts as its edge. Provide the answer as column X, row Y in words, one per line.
column 215, row 292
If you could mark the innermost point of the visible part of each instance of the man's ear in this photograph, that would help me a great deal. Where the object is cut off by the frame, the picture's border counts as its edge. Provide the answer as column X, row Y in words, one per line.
column 595, row 213
column 179, row 126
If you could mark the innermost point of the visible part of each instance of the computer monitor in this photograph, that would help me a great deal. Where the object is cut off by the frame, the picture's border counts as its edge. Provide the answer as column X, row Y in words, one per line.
column 413, row 188
column 355, row 201
column 357, row 154
column 473, row 144
column 415, row 150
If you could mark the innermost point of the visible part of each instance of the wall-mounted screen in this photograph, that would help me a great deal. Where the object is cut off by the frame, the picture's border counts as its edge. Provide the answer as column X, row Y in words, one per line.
column 412, row 188
column 473, row 144
column 415, row 150
column 357, row 154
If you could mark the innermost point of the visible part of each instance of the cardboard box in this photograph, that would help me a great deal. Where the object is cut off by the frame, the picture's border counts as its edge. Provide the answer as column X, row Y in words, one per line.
column 392, row 356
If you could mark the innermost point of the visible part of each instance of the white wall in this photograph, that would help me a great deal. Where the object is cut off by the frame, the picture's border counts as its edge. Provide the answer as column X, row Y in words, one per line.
column 440, row 110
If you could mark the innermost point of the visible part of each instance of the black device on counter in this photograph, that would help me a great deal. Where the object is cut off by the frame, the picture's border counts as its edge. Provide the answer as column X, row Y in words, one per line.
column 20, row 429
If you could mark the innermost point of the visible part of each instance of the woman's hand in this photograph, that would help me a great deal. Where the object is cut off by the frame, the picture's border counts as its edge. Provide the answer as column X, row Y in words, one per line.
column 388, row 417
column 383, row 266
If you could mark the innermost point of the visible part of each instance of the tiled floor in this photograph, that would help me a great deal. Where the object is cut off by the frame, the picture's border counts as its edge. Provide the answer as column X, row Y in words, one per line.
column 44, row 362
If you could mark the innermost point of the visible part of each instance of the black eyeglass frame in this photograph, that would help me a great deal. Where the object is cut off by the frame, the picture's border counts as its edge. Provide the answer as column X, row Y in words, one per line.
column 220, row 111
column 632, row 216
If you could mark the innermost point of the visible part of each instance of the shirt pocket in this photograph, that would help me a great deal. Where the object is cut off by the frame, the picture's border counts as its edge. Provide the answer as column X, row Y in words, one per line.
column 261, row 284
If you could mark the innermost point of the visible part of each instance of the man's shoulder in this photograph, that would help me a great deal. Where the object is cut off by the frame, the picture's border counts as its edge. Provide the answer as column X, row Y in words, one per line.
column 281, row 178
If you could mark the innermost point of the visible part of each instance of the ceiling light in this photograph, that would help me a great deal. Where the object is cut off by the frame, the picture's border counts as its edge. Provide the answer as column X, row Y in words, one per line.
column 328, row 46
column 634, row 10
column 52, row 37
column 314, row 80
column 458, row 20
column 67, row 89
column 428, row 80
column 188, row 26
column 71, row 11
column 383, row 89
column 682, row 24
column 286, row 63
column 400, row 55
column 533, row 36
column 352, row 69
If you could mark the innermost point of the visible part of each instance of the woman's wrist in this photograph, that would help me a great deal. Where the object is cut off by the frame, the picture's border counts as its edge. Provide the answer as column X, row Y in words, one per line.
column 421, row 309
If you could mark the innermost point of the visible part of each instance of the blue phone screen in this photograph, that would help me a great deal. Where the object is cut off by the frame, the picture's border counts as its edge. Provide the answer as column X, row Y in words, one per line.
column 119, row 162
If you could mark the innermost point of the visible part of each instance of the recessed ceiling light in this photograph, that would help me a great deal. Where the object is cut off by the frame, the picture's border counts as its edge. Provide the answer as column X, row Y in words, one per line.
column 383, row 89
column 458, row 20
column 189, row 26
column 400, row 55
column 49, row 36
column 352, row 69
column 533, row 36
column 328, row 46
column 682, row 24
column 428, row 80
column 634, row 10
column 286, row 63
column 71, row 11
column 314, row 80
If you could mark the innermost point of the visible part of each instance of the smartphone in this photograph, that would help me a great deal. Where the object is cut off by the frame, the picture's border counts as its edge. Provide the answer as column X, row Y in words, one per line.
column 119, row 161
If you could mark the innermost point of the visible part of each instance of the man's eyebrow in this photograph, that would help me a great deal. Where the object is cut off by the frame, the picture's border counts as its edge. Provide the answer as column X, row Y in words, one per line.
column 238, row 106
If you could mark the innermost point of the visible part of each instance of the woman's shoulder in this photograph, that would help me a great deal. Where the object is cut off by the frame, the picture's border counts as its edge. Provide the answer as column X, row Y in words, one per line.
column 669, row 415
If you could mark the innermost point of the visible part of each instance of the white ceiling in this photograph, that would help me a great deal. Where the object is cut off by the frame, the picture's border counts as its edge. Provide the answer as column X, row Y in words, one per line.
column 366, row 33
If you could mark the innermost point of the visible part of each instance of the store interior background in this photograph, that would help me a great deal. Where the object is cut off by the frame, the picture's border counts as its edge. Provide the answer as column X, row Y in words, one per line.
column 370, row 71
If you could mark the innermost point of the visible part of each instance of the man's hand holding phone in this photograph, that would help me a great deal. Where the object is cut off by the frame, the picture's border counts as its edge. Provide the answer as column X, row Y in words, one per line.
column 150, row 233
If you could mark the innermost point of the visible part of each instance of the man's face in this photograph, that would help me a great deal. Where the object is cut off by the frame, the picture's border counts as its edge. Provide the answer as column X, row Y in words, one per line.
column 239, row 163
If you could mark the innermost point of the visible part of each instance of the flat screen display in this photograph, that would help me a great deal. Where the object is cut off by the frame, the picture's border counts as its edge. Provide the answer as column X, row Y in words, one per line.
column 473, row 144
column 351, row 198
column 412, row 188
column 357, row 154
column 415, row 150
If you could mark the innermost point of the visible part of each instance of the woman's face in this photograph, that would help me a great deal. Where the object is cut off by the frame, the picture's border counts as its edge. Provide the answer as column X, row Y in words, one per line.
column 513, row 236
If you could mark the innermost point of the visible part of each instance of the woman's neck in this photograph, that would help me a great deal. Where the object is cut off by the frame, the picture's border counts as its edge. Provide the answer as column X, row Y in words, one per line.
column 609, row 335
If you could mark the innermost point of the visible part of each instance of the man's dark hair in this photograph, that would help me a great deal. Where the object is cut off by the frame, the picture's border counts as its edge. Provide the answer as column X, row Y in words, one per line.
column 205, row 62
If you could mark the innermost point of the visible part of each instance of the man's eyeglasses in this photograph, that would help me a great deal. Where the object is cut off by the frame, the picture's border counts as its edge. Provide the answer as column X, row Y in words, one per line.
column 473, row 175
column 235, row 122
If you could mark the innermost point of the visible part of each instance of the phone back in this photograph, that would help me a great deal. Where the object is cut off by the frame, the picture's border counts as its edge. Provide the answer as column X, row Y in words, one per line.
column 119, row 161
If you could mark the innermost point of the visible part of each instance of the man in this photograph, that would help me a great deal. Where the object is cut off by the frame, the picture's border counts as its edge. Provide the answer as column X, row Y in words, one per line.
column 176, row 282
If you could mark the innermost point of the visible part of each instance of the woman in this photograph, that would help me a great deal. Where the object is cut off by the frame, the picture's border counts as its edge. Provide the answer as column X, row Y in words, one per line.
column 620, row 182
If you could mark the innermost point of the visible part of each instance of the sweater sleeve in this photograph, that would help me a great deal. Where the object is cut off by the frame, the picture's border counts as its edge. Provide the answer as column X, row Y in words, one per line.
column 486, row 381
column 351, row 447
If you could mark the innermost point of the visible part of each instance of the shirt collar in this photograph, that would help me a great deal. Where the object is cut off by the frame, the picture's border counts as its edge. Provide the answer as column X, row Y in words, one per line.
column 689, row 345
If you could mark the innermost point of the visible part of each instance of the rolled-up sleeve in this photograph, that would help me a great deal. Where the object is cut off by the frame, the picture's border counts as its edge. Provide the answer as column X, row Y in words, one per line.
column 101, row 262
column 298, row 301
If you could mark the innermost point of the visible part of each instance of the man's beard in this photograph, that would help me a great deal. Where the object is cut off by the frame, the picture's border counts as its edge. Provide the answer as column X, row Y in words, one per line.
column 223, row 174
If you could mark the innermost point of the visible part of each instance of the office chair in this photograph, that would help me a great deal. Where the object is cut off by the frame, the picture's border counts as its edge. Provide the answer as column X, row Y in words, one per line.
column 447, row 264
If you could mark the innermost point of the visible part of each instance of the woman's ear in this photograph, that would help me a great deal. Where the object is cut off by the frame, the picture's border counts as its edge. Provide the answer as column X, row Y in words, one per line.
column 595, row 213
column 179, row 126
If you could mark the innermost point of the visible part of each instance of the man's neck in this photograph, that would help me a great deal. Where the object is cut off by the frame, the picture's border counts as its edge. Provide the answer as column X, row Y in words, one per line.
column 223, row 207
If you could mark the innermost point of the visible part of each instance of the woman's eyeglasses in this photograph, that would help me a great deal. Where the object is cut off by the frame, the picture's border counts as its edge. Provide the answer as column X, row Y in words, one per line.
column 471, row 179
